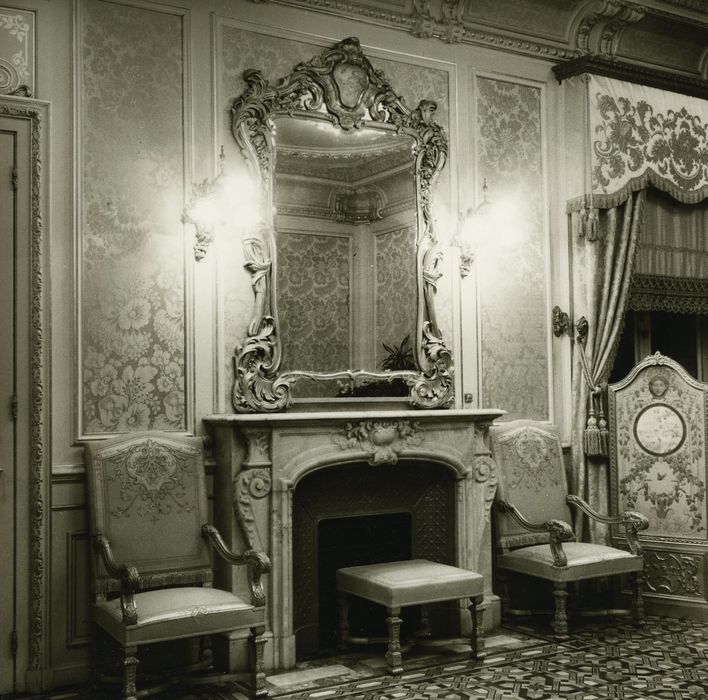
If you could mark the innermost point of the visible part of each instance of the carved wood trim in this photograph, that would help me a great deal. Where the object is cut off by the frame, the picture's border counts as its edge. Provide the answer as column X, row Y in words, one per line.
column 619, row 70
column 36, row 113
column 320, row 87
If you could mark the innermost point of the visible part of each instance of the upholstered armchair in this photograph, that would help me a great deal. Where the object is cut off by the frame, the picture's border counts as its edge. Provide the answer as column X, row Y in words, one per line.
column 151, row 557
column 532, row 515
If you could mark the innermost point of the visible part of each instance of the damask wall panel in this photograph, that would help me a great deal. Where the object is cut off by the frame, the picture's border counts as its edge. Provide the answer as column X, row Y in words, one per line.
column 313, row 301
column 17, row 29
column 511, row 258
column 132, row 342
column 396, row 290
column 276, row 57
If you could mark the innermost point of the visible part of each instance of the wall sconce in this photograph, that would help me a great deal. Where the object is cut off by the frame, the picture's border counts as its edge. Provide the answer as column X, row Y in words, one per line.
column 470, row 227
column 202, row 210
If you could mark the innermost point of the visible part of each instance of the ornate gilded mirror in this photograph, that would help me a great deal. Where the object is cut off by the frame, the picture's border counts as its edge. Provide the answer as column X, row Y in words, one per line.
column 344, row 267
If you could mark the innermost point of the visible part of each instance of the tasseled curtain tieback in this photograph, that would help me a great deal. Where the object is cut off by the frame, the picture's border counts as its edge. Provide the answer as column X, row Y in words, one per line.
column 596, row 437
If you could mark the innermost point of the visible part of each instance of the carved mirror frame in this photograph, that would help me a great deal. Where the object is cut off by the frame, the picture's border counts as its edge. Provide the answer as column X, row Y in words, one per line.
column 341, row 86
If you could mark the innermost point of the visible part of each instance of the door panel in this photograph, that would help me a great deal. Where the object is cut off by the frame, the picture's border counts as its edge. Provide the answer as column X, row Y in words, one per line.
column 8, row 511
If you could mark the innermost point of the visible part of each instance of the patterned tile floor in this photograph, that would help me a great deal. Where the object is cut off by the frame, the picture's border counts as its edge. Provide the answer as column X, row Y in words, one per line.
column 605, row 659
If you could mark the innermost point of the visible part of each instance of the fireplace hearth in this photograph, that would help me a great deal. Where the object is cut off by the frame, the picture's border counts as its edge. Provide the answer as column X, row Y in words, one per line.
column 405, row 483
column 355, row 514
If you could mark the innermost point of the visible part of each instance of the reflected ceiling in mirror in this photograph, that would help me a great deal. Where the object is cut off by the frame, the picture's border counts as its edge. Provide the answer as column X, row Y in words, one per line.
column 346, row 264
column 346, row 226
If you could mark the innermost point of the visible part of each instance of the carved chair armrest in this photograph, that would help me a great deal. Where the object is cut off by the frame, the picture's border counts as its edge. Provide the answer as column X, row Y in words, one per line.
column 257, row 563
column 633, row 522
column 128, row 576
column 558, row 530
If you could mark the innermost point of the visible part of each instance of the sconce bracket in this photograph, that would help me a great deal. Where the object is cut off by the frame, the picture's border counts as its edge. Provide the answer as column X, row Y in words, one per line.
column 561, row 322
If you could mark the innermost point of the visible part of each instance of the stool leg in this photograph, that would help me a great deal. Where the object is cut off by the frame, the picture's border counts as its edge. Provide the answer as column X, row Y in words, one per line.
column 343, row 625
column 393, row 655
column 476, row 609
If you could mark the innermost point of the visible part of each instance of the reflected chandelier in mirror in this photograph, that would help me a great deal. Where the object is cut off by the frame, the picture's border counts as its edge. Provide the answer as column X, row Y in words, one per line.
column 347, row 237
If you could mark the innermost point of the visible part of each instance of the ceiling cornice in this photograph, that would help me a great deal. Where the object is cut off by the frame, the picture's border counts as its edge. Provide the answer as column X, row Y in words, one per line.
column 594, row 27
column 664, row 80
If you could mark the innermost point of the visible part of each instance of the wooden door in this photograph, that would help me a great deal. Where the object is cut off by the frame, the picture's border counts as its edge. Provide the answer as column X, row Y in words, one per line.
column 15, row 399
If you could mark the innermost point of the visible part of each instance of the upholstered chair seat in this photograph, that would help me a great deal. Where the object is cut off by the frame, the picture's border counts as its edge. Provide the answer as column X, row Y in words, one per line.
column 584, row 560
column 176, row 613
column 152, row 556
column 532, row 516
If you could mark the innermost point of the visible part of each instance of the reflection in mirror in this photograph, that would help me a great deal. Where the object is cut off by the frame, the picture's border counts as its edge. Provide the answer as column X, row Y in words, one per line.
column 345, row 234
column 345, row 264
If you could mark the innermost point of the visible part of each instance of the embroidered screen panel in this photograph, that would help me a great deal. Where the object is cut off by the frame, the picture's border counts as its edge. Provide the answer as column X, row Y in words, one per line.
column 658, row 448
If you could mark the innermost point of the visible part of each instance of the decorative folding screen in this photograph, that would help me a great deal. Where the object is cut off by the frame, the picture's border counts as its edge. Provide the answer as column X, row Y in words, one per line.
column 658, row 426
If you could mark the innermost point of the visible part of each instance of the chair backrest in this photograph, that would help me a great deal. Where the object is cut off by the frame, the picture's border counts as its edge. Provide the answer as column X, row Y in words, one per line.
column 531, row 477
column 147, row 495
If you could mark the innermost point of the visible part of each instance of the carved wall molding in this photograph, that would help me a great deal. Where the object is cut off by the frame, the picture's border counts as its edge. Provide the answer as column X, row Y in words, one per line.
column 383, row 440
column 36, row 114
column 250, row 485
column 673, row 573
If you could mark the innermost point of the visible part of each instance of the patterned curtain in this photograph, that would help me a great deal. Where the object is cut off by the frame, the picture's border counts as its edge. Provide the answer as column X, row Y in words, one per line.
column 602, row 273
column 634, row 136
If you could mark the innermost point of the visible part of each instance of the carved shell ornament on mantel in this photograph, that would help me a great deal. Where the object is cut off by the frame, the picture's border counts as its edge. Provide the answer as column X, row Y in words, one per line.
column 339, row 92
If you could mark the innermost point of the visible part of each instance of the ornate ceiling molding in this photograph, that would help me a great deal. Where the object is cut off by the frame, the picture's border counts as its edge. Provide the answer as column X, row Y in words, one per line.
column 632, row 73
column 599, row 27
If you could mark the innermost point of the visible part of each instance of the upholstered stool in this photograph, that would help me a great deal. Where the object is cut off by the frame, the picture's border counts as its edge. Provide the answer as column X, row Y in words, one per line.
column 415, row 582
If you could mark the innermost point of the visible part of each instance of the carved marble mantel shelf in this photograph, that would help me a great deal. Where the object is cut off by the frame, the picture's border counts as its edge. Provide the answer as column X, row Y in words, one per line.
column 260, row 458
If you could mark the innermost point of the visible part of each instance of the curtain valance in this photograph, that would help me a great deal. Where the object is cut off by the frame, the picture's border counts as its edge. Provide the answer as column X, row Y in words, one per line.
column 629, row 136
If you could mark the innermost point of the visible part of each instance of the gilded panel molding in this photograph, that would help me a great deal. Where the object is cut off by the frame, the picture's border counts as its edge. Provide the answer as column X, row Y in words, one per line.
column 343, row 88
column 39, row 448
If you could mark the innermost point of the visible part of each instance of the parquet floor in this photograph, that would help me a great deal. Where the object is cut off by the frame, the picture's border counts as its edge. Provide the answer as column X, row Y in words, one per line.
column 605, row 659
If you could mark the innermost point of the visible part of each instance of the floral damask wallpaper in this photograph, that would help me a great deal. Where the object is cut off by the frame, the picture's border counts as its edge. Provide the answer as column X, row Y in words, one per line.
column 313, row 301
column 511, row 264
column 132, row 341
column 396, row 289
column 276, row 57
column 16, row 49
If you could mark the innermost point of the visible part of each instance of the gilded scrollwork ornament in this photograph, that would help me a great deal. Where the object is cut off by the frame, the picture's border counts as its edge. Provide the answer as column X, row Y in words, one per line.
column 340, row 86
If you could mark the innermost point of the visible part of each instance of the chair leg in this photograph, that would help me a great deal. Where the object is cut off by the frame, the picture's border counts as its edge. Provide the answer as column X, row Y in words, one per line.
column 343, row 633
column 258, row 677
column 503, row 578
column 560, row 619
column 393, row 655
column 476, row 609
column 637, row 583
column 130, row 668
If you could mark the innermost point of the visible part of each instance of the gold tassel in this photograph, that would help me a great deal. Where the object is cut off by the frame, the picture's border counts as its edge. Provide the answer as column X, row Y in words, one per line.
column 604, row 435
column 592, row 440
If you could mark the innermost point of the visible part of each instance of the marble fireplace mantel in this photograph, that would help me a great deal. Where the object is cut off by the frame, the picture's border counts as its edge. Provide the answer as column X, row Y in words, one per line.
column 260, row 458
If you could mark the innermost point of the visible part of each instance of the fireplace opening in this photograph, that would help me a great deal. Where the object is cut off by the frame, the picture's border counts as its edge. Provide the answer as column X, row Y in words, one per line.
column 366, row 539
column 351, row 514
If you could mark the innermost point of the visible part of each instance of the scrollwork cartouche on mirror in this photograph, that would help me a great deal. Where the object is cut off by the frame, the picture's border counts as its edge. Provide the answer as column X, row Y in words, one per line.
column 341, row 93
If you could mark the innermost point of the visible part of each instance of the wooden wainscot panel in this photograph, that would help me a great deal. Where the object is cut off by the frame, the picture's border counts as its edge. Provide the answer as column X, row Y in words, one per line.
column 70, row 595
